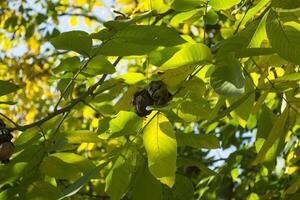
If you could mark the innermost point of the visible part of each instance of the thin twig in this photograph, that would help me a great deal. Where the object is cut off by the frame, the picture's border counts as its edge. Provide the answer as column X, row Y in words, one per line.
column 204, row 19
column 10, row 120
column 65, row 115
column 71, row 82
column 240, row 23
column 67, row 108
column 274, row 87
column 162, row 15
column 74, row 102
column 82, row 15
column 93, row 108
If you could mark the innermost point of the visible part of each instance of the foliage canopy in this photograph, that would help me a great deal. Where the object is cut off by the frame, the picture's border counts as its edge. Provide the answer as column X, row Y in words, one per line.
column 68, row 76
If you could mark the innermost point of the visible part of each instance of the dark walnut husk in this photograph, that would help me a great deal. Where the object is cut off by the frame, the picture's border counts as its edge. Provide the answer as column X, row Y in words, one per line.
column 6, row 146
column 141, row 100
column 157, row 94
column 6, row 151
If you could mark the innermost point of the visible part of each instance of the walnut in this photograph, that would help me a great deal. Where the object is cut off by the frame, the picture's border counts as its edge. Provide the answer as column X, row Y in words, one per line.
column 141, row 100
column 6, row 146
column 157, row 94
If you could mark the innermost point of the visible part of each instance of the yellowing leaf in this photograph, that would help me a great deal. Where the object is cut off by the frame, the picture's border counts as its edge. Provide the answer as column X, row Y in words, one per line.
column 126, row 2
column 57, row 168
column 73, row 21
column 189, row 54
column 88, row 22
column 275, row 134
column 294, row 187
column 80, row 2
column 223, row 5
column 6, row 44
column 98, row 4
column 33, row 44
column 161, row 147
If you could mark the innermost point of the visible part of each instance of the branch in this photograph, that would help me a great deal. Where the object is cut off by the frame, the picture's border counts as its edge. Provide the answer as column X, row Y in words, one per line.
column 82, row 15
column 71, row 82
column 67, row 108
column 10, row 120
column 74, row 102
column 162, row 15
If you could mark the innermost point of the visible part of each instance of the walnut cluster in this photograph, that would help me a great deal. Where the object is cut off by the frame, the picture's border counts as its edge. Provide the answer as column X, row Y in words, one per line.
column 6, row 146
column 157, row 94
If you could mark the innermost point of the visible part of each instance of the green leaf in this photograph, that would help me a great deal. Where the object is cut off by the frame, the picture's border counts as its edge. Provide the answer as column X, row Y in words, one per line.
column 27, row 136
column 227, row 78
column 288, row 77
column 125, row 102
column 131, row 78
column 185, row 5
column 239, row 41
column 192, row 109
column 125, row 123
column 82, row 136
column 7, row 87
column 286, row 5
column 223, row 5
column 189, row 54
column 103, row 125
column 254, row 10
column 139, row 40
column 22, row 164
column 42, row 190
column 99, row 65
column 78, row 41
column 115, row 25
column 54, row 167
column 144, row 181
column 119, row 177
column 244, row 109
column 82, row 163
column 206, row 141
column 285, row 40
column 277, row 131
column 180, row 73
column 68, row 65
column 212, row 17
column 183, row 161
column 294, row 187
column 13, row 172
column 251, row 52
column 216, row 116
column 160, row 56
column 183, row 188
column 260, row 34
column 161, row 147
column 104, row 34
column 8, row 102
column 10, row 193
column 75, row 187
column 187, row 17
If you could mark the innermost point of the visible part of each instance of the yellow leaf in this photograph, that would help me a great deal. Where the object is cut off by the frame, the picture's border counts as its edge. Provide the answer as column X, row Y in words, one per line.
column 88, row 22
column 80, row 2
column 6, row 44
column 126, row 2
column 73, row 21
column 33, row 45
column 291, row 170
column 98, row 4
column 161, row 147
